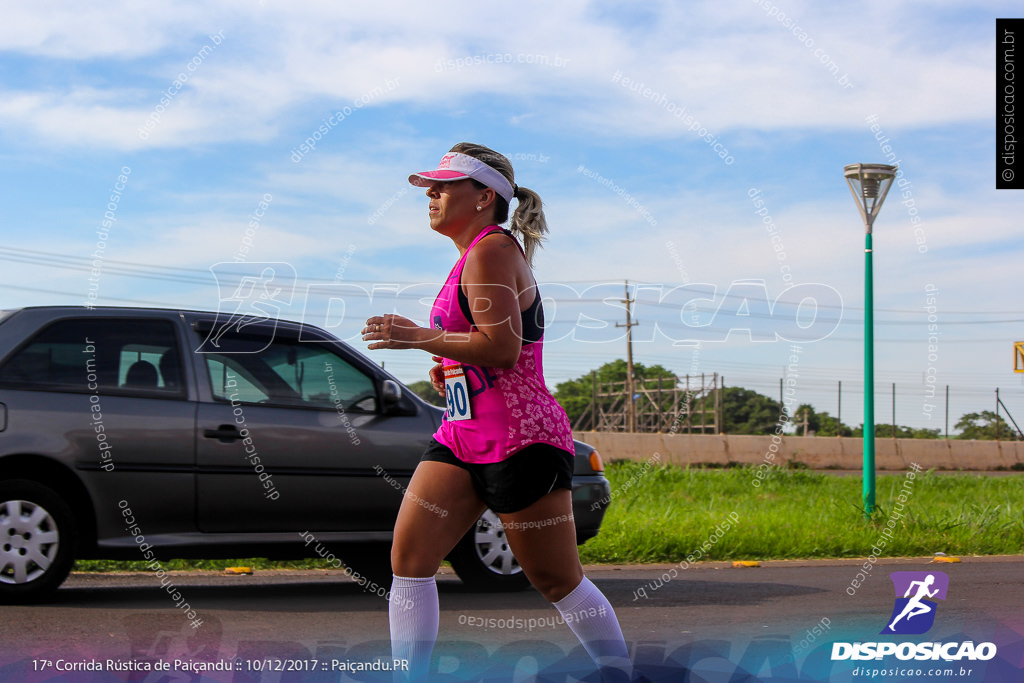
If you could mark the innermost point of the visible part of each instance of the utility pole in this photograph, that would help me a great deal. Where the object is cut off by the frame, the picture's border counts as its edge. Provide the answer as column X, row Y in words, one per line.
column 630, row 404
column 839, row 412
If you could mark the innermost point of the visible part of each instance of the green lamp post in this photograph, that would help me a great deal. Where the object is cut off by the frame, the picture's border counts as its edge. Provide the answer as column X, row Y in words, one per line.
column 869, row 183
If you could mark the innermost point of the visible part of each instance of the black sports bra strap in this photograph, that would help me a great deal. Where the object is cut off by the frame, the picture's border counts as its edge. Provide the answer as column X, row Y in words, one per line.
column 532, row 317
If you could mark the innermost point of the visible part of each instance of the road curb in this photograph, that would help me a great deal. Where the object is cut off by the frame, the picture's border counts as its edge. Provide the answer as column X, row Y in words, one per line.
column 834, row 562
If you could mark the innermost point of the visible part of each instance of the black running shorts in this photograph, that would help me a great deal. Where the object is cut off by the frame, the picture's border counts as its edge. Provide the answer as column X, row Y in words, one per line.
column 516, row 482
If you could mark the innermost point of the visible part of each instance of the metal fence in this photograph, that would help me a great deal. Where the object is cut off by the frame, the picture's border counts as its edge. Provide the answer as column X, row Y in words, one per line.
column 692, row 404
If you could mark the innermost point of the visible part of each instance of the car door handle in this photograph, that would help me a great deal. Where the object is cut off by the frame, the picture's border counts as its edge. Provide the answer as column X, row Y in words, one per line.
column 224, row 433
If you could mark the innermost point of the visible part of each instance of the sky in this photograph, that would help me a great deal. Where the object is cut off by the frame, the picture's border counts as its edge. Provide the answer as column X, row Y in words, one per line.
column 152, row 155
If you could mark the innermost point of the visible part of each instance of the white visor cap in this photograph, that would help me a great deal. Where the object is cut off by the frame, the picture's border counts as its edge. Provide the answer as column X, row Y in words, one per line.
column 455, row 166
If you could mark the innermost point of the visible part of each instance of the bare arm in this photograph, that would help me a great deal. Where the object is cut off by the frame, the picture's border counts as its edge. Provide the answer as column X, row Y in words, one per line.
column 490, row 282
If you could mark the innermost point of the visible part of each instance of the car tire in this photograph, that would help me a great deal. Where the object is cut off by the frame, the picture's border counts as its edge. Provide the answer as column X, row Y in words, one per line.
column 483, row 559
column 37, row 541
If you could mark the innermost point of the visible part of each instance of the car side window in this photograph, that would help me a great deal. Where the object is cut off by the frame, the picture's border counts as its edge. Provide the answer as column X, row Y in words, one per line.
column 288, row 372
column 230, row 381
column 115, row 356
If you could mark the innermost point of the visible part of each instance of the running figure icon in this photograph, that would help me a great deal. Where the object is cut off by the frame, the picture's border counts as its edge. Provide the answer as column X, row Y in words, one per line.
column 915, row 606
column 250, row 293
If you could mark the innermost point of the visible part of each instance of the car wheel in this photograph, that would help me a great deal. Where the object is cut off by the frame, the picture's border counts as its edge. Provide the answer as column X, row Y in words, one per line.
column 37, row 540
column 483, row 559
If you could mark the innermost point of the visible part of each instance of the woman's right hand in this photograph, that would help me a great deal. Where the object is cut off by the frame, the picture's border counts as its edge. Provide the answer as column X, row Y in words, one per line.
column 437, row 375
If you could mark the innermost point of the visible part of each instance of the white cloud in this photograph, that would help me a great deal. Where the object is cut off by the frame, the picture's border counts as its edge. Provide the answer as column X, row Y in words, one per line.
column 274, row 61
column 111, row 30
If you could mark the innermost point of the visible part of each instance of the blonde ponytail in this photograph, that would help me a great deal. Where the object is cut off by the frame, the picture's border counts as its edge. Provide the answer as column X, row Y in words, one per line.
column 528, row 221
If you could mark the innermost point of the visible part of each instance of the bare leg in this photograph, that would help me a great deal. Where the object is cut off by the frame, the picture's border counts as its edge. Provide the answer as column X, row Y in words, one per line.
column 543, row 539
column 440, row 505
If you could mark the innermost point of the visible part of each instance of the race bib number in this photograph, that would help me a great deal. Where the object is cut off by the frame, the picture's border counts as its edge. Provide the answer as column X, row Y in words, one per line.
column 456, row 393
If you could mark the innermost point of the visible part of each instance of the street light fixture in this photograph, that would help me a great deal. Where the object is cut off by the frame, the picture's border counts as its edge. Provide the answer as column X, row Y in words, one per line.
column 869, row 183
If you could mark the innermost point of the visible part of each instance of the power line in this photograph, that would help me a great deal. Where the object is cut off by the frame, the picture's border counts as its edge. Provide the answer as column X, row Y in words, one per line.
column 202, row 276
column 704, row 332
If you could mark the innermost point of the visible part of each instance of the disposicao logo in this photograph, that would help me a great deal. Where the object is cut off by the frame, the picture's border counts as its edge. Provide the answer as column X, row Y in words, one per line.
column 913, row 613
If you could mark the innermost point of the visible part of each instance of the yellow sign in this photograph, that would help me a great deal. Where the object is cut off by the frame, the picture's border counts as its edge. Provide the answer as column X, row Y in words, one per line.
column 1018, row 356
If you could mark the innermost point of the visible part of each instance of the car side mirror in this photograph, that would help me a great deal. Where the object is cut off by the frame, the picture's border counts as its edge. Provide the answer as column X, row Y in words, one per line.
column 390, row 394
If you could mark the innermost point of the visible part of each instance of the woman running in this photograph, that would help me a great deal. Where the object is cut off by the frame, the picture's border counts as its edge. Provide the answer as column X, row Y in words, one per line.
column 505, row 442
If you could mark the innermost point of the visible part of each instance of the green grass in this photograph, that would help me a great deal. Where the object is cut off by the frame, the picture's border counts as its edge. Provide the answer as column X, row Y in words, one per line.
column 666, row 513
column 215, row 565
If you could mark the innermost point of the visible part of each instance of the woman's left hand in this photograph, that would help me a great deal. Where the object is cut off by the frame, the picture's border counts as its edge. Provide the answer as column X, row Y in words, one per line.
column 391, row 332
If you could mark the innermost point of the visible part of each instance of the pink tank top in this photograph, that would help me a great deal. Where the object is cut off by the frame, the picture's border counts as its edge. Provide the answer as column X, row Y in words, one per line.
column 511, row 408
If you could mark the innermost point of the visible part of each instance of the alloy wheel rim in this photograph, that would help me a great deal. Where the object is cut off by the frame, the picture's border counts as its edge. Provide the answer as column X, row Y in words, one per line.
column 29, row 541
column 491, row 546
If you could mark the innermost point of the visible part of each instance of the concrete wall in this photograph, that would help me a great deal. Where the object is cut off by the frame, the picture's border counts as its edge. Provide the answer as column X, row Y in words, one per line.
column 814, row 451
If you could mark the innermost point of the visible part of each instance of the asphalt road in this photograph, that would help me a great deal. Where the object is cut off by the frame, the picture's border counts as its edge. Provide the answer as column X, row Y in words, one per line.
column 777, row 621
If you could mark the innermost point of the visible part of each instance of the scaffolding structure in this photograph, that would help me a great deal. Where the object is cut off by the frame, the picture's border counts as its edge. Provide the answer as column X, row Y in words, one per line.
column 666, row 404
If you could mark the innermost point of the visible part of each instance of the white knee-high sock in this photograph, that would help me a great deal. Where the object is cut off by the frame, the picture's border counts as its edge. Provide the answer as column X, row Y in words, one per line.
column 591, row 617
column 413, row 613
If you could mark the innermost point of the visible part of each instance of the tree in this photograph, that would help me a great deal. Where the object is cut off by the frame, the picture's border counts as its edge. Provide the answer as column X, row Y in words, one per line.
column 818, row 424
column 744, row 411
column 885, row 431
column 830, row 426
column 985, row 425
column 823, row 424
column 426, row 391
